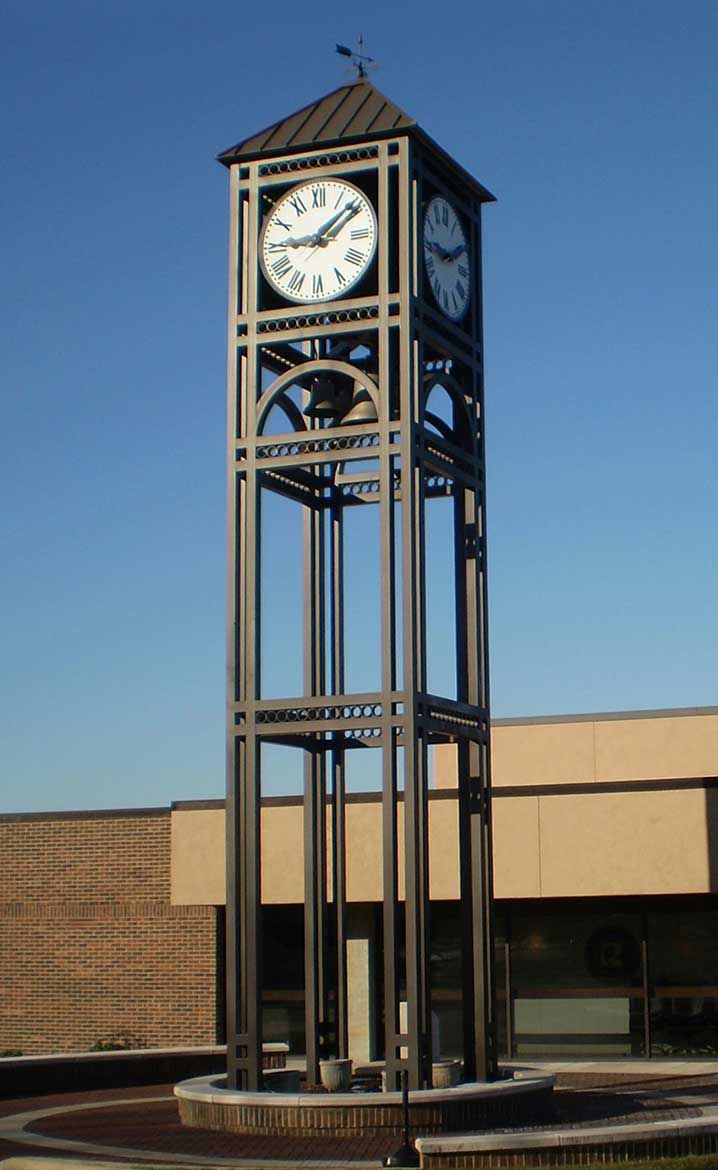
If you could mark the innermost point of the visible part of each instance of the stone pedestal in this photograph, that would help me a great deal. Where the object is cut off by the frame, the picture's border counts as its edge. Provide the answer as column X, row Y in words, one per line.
column 360, row 984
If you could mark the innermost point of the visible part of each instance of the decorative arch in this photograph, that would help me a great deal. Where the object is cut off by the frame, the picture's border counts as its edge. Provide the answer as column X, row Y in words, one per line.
column 461, row 434
column 316, row 366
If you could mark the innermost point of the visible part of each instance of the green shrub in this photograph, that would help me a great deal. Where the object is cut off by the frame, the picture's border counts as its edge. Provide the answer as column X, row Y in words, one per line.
column 116, row 1044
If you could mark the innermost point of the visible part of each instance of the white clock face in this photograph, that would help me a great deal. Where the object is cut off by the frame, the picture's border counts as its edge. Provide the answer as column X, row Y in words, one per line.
column 318, row 241
column 446, row 258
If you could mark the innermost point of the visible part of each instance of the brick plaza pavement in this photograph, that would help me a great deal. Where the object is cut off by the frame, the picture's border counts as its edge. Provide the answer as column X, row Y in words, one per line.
column 142, row 1124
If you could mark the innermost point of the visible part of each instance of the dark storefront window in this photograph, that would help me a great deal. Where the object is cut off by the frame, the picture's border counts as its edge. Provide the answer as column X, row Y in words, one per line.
column 501, row 969
column 446, row 988
column 683, row 949
column 583, row 978
column 576, row 977
column 446, row 977
column 283, row 976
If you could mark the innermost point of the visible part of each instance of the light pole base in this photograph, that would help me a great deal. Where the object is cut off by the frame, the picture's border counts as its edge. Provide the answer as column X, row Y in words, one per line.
column 406, row 1155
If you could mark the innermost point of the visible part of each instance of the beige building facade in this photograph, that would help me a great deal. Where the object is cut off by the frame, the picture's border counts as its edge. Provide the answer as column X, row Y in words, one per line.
column 606, row 917
column 583, row 806
column 605, row 876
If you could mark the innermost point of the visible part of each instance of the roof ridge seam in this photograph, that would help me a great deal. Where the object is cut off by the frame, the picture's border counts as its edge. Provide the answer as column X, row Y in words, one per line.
column 302, row 124
column 333, row 113
column 378, row 114
column 357, row 111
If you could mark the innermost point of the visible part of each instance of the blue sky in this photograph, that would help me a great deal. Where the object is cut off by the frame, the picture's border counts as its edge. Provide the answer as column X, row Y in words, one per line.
column 595, row 126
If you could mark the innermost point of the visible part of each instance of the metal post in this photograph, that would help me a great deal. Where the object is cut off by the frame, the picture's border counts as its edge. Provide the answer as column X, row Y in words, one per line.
column 509, row 1002
column 646, row 999
column 406, row 1155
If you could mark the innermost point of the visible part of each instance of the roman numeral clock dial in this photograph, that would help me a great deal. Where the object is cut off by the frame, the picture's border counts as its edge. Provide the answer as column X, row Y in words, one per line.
column 318, row 241
column 446, row 258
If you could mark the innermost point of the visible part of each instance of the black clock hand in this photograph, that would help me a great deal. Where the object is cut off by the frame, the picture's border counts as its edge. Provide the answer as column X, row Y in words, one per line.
column 352, row 209
column 318, row 237
column 438, row 250
column 298, row 242
column 456, row 251
column 322, row 231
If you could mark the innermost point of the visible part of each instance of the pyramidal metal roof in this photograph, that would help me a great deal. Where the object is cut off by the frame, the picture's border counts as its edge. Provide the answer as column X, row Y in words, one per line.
column 354, row 112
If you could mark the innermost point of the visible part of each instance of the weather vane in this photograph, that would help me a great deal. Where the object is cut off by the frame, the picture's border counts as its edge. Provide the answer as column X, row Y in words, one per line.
column 359, row 59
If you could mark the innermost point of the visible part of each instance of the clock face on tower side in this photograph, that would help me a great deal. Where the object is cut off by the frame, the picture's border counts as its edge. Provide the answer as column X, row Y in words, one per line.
column 318, row 241
column 446, row 258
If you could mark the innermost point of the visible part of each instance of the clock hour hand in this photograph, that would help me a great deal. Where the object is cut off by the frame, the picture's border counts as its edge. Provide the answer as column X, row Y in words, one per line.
column 327, row 230
column 297, row 242
column 456, row 251
column 439, row 251
column 333, row 226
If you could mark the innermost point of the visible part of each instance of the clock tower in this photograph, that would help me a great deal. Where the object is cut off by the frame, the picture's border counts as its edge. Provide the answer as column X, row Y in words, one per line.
column 356, row 383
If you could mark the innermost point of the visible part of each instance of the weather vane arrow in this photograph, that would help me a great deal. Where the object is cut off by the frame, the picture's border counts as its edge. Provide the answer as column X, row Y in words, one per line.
column 358, row 57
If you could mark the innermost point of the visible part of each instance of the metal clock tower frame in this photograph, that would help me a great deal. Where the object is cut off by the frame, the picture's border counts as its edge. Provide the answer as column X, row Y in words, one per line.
column 354, row 378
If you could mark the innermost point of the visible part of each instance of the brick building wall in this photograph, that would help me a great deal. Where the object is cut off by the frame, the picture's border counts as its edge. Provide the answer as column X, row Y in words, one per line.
column 90, row 947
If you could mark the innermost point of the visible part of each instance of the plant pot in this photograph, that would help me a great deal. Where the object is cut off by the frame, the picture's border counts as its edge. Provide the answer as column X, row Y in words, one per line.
column 445, row 1073
column 336, row 1075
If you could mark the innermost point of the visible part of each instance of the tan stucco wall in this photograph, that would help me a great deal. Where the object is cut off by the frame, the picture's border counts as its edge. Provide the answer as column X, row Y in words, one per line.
column 198, row 854
column 545, row 844
column 197, row 857
column 517, row 853
column 624, row 843
column 666, row 748
column 199, row 851
column 593, row 751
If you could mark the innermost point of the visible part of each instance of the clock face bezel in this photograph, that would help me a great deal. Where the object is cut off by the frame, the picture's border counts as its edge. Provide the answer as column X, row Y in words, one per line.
column 362, row 264
column 455, row 315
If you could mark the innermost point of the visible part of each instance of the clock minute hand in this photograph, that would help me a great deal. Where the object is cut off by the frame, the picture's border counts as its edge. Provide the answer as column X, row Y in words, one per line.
column 325, row 231
column 439, row 251
column 332, row 225
column 350, row 211
column 456, row 251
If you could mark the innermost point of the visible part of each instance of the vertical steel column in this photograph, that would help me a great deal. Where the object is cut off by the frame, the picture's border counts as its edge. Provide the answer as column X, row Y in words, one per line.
column 390, row 909
column 389, row 749
column 339, row 885
column 338, row 778
column 416, row 844
column 486, row 1043
column 509, row 1001
column 244, row 1034
column 474, row 807
column 235, row 664
column 646, row 987
column 232, row 937
column 251, row 941
column 417, row 915
column 315, row 834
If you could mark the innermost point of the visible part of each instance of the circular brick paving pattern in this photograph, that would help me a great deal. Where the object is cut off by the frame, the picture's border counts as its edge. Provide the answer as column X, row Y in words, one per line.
column 152, row 1124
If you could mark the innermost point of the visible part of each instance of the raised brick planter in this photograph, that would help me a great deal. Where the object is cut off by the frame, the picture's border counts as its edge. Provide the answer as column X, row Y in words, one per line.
column 204, row 1103
column 74, row 1071
column 581, row 1146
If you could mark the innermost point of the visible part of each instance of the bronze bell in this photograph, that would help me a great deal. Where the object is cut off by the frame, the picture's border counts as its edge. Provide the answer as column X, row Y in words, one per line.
column 326, row 399
column 362, row 409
